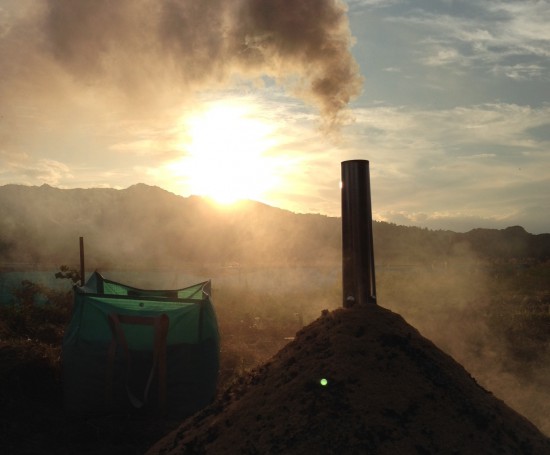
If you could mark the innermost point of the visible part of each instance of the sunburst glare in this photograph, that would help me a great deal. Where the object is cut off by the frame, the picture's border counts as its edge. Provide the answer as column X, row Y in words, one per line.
column 226, row 154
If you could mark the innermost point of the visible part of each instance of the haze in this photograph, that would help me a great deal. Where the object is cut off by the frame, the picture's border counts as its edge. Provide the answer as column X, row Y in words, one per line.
column 263, row 100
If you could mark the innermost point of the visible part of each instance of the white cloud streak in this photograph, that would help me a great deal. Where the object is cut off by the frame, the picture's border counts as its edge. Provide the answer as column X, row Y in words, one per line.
column 477, row 163
column 499, row 33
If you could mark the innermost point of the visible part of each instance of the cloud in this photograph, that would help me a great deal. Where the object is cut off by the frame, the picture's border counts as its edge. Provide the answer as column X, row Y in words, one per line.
column 509, row 39
column 491, row 123
column 98, row 84
column 373, row 4
column 525, row 22
column 458, row 166
column 20, row 168
column 520, row 71
column 146, row 53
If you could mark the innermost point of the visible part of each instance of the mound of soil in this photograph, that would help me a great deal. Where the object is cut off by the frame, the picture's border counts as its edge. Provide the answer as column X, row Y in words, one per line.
column 388, row 391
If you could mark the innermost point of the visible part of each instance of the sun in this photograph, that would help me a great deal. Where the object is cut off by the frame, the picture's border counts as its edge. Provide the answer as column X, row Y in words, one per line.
column 227, row 154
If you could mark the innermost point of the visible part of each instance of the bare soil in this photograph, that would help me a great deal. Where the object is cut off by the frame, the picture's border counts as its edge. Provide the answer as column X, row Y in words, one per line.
column 388, row 391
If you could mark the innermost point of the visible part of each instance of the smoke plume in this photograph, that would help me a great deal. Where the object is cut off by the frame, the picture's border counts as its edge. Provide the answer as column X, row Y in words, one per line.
column 145, row 52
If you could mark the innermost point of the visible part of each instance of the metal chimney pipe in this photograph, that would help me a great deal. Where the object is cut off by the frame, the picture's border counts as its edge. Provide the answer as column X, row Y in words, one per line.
column 82, row 281
column 358, row 278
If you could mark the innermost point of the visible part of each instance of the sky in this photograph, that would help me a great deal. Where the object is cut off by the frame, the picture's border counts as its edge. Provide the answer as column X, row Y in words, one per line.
column 263, row 99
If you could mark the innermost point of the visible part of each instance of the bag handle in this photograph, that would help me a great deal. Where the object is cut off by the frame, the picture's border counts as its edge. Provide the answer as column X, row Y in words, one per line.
column 160, row 324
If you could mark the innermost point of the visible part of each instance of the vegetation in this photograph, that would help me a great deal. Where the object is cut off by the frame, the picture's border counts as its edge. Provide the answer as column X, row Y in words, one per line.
column 493, row 318
column 253, row 327
column 483, row 296
column 169, row 230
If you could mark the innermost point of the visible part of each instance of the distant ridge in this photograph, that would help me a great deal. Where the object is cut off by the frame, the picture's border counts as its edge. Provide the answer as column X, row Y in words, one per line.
column 150, row 226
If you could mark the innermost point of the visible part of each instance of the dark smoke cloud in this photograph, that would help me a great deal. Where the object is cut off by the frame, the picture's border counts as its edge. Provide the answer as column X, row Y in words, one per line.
column 146, row 50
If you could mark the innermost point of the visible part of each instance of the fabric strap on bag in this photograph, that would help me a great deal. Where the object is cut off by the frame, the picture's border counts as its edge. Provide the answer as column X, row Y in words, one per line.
column 160, row 325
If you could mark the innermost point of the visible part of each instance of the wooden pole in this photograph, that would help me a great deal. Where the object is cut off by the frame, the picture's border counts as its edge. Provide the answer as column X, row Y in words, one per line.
column 358, row 278
column 81, row 261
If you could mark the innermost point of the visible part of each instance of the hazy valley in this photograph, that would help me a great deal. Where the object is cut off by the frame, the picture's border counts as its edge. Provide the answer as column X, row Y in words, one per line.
column 481, row 296
column 148, row 227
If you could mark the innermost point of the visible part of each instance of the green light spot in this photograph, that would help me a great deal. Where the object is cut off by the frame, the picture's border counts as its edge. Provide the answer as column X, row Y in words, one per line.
column 323, row 382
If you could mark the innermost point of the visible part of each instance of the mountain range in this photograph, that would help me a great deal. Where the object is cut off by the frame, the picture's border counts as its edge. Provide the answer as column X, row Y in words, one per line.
column 145, row 226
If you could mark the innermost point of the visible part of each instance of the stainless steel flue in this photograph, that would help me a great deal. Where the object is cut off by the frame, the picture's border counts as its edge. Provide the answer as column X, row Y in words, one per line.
column 358, row 279
column 82, row 271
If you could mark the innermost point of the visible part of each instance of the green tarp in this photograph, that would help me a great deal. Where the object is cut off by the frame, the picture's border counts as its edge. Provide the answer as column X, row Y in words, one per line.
column 127, row 349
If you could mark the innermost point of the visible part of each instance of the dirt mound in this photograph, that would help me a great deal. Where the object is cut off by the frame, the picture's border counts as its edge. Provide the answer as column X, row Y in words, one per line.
column 388, row 391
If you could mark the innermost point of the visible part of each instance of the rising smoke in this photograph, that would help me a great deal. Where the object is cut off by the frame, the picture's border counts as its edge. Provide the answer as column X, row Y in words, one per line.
column 150, row 53
column 467, row 310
